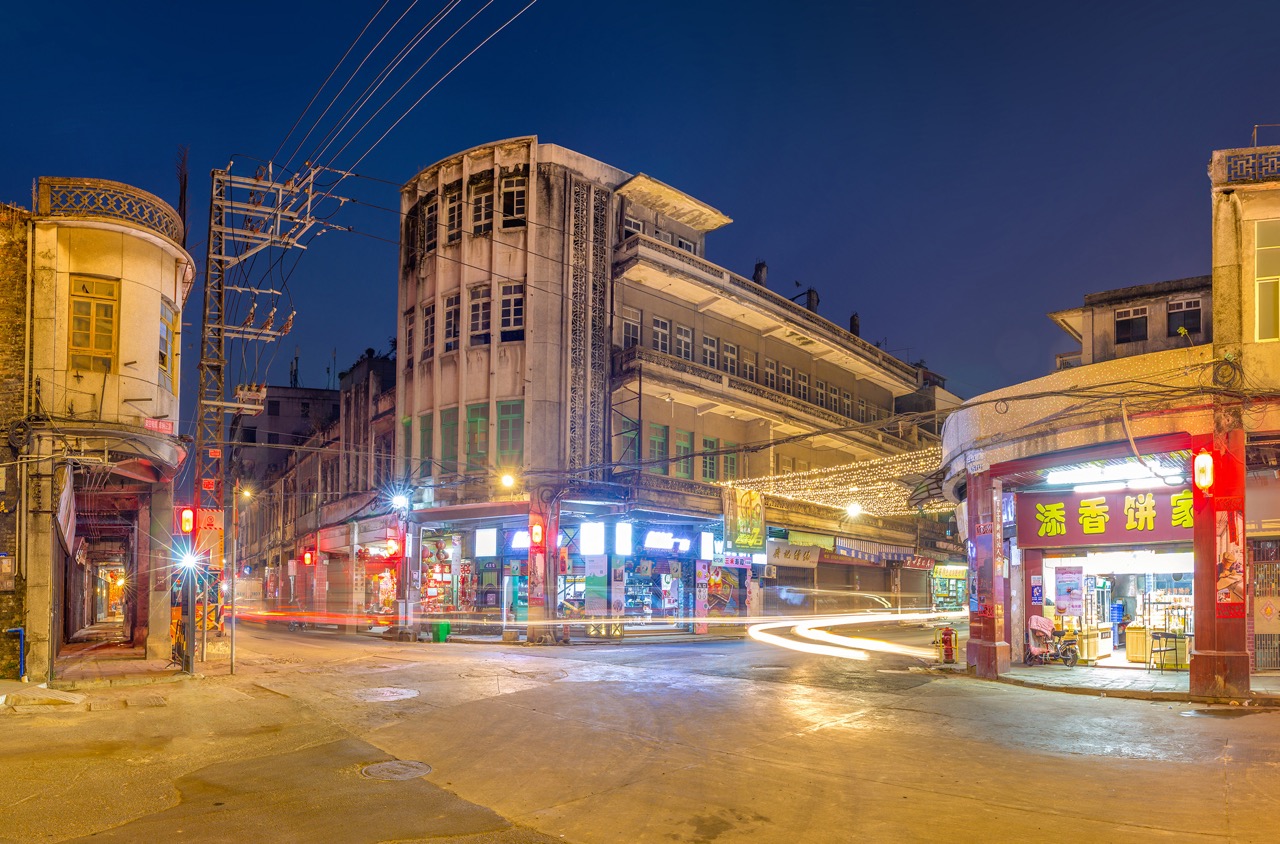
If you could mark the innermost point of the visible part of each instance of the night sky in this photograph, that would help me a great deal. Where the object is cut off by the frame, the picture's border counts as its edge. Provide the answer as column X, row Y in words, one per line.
column 952, row 171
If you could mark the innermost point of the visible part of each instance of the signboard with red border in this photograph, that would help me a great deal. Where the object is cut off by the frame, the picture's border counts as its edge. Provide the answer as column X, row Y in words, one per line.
column 1120, row 517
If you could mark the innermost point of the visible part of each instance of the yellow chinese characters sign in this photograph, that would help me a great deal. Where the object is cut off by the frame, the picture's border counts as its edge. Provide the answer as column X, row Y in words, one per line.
column 744, row 521
column 1122, row 517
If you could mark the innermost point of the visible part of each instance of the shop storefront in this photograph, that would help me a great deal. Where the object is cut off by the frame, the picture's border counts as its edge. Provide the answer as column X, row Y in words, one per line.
column 1114, row 568
column 950, row 587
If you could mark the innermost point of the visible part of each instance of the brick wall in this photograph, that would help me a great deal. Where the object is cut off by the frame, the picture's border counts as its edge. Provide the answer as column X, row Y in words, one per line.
column 13, row 286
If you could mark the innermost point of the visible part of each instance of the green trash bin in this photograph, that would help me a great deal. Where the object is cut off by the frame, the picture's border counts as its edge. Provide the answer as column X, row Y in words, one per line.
column 443, row 629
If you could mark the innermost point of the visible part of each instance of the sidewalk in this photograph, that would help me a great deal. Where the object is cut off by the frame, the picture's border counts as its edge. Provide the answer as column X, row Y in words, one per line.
column 1129, row 683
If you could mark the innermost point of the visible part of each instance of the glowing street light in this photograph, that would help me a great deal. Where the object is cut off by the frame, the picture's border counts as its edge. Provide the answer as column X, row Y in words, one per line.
column 400, row 501
column 189, row 561
column 508, row 481
column 854, row 509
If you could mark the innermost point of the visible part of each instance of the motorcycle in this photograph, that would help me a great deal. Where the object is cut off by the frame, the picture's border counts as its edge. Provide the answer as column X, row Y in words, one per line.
column 1045, row 644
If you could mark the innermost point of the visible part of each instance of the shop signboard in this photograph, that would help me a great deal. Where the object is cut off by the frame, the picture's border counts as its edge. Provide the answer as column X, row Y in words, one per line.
column 596, row 585
column 783, row 553
column 1069, row 590
column 1230, row 570
column 1120, row 517
column 919, row 563
column 701, row 577
column 744, row 520
column 1037, row 590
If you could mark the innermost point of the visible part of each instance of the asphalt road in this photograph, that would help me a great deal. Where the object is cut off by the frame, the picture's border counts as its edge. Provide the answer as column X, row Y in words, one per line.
column 714, row 741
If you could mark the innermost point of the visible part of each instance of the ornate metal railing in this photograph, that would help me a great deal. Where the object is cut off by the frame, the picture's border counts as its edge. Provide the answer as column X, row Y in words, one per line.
column 62, row 197
column 631, row 248
column 1260, row 164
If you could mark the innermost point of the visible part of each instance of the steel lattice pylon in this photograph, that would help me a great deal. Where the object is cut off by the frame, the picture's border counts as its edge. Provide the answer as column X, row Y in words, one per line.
column 247, row 215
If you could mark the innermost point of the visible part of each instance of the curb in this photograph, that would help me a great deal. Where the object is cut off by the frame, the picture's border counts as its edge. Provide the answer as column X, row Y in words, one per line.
column 1261, row 701
column 116, row 682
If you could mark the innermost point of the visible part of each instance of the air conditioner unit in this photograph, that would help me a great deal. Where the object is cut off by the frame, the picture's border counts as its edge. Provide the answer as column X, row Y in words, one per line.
column 770, row 572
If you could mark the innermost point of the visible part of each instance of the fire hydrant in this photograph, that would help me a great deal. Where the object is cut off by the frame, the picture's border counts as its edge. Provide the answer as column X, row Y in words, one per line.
column 945, row 640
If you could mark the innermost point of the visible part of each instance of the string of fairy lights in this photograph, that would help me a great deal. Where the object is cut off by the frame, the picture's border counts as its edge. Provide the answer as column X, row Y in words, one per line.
column 879, row 487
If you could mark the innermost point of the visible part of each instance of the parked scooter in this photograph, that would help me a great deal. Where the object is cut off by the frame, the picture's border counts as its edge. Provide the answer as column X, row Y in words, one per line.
column 1045, row 644
column 295, row 626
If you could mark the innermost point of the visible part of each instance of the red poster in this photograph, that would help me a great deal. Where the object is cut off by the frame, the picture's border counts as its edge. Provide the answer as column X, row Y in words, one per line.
column 1122, row 517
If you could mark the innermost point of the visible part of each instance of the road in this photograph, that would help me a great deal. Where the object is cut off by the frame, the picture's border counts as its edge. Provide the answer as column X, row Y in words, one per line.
column 712, row 741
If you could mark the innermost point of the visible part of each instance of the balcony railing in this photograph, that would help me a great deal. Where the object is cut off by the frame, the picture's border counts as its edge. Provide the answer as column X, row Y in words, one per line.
column 631, row 358
column 60, row 197
column 639, row 246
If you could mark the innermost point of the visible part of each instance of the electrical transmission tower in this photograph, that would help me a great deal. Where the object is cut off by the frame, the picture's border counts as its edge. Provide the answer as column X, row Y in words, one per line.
column 248, row 215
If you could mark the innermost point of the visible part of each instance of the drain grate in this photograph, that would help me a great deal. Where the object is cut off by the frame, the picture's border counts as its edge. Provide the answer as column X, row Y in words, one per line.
column 399, row 769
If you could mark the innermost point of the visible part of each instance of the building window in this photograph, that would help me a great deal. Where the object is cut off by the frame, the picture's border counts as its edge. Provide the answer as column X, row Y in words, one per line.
column 452, row 321
column 248, row 435
column 749, row 365
column 629, row 434
column 820, row 393
column 1266, row 274
column 783, row 465
column 630, row 327
column 684, row 448
column 846, row 404
column 168, row 344
column 730, row 462
column 431, row 227
column 1184, row 315
column 710, row 352
column 273, row 407
column 425, row 446
column 709, row 459
column 514, row 191
column 1131, row 325
column 684, row 342
column 512, row 312
column 802, row 386
column 429, row 331
column 407, row 352
column 833, row 396
column 481, row 312
column 482, row 213
column 511, row 434
column 477, row 437
column 862, row 410
column 665, row 237
column 687, row 245
column 632, row 226
column 771, row 374
column 662, row 335
column 449, row 441
column 658, row 448
column 273, row 438
column 93, row 324
column 453, row 217
column 786, row 379
column 729, row 351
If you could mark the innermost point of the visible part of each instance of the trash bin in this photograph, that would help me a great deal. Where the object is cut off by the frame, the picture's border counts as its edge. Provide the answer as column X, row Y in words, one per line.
column 440, row 631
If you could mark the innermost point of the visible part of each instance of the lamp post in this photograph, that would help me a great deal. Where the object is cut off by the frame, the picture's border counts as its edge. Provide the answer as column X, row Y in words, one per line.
column 189, row 563
column 235, row 560
column 404, row 612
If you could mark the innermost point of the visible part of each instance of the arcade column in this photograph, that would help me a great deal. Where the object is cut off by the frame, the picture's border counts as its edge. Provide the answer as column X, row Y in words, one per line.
column 1219, row 655
column 986, row 652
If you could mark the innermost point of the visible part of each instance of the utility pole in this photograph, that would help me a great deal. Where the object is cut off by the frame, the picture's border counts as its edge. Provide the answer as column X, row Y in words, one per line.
column 247, row 215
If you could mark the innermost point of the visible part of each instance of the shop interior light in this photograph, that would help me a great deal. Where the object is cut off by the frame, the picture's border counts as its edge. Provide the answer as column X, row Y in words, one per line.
column 661, row 540
column 1098, row 474
column 622, row 539
column 520, row 540
column 487, row 542
column 707, row 549
column 1109, row 486
column 392, row 546
column 591, row 538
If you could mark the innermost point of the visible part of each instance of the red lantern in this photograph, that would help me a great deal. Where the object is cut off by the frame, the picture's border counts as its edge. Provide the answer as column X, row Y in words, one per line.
column 186, row 520
column 1203, row 471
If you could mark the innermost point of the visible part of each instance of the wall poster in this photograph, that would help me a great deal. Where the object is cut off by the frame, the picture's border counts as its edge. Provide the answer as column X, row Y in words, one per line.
column 1230, row 573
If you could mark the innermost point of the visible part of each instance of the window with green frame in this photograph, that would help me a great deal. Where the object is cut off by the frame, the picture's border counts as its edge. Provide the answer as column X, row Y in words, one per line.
column 477, row 437
column 408, row 447
column 168, row 344
column 449, row 441
column 730, row 463
column 659, row 436
column 425, row 445
column 511, row 434
column 709, row 459
column 684, row 447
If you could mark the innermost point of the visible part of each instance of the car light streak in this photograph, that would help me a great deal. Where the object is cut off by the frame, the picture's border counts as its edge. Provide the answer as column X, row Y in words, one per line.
column 845, row 647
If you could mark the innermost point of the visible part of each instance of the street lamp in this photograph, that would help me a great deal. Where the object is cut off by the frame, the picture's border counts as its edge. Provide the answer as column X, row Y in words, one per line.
column 236, row 495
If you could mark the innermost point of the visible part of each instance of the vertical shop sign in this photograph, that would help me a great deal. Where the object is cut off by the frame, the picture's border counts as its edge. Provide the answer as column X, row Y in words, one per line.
column 702, row 574
column 596, row 585
column 618, row 586
column 744, row 520
column 1069, row 591
column 982, row 611
column 1230, row 571
column 1037, row 590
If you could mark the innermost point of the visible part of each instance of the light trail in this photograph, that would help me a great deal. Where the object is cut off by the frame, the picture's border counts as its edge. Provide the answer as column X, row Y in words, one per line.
column 844, row 647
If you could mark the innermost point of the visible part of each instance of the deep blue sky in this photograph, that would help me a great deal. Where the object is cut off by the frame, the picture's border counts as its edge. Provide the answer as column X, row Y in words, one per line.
column 952, row 171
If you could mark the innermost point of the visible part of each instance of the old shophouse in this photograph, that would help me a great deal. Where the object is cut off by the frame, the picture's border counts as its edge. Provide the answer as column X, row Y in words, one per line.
column 578, row 382
column 92, row 283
